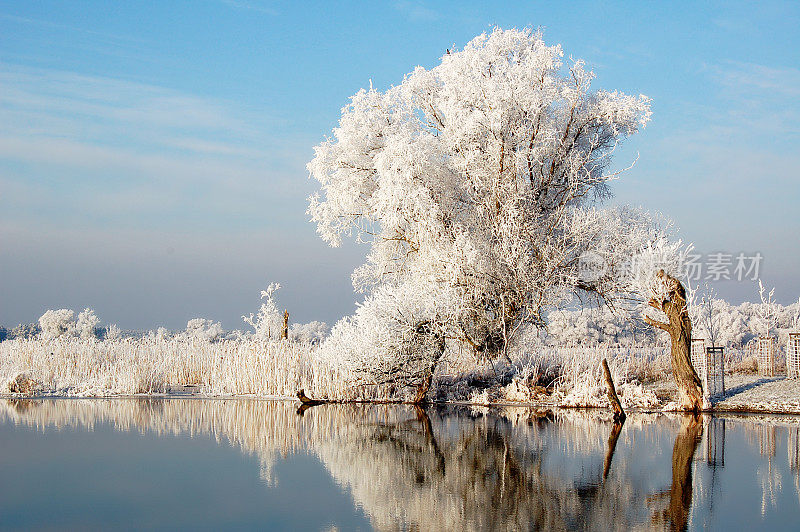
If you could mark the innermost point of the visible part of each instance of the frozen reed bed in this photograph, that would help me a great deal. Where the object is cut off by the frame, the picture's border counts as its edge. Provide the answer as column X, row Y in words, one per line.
column 71, row 366
column 90, row 367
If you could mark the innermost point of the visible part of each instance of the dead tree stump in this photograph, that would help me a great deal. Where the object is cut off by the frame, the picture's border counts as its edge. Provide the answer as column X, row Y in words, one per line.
column 285, row 328
column 616, row 406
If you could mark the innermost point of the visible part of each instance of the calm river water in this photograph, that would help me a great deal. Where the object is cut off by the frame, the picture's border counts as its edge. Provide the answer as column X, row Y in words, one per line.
column 207, row 464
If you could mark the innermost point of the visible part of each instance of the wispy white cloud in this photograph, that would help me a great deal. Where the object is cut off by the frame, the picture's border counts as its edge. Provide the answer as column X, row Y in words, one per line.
column 44, row 94
column 115, row 149
column 768, row 80
column 416, row 10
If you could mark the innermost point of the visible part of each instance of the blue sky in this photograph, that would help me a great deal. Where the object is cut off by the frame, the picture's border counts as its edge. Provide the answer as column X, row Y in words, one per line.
column 152, row 154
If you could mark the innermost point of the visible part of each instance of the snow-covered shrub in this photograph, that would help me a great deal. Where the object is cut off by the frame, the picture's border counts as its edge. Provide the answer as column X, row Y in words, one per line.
column 268, row 323
column 312, row 332
column 203, row 329
column 87, row 324
column 20, row 384
column 112, row 332
column 25, row 330
column 394, row 337
column 55, row 323
column 765, row 319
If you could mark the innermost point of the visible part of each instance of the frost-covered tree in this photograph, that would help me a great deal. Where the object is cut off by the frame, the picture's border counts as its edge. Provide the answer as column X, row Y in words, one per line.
column 482, row 177
column 668, row 309
column 25, row 330
column 87, row 324
column 268, row 323
column 706, row 314
column 55, row 323
column 765, row 320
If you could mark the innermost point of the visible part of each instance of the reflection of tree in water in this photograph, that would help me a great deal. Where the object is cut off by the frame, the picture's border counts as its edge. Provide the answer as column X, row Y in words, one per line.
column 679, row 495
column 447, row 468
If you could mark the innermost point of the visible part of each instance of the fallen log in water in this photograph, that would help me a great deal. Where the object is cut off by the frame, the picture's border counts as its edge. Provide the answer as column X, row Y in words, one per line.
column 306, row 400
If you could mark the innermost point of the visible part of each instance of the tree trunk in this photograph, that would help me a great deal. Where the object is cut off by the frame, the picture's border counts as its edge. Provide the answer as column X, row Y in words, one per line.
column 434, row 342
column 680, row 332
column 422, row 390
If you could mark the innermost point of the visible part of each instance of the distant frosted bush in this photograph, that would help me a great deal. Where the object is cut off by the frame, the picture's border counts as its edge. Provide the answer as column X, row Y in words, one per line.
column 112, row 332
column 313, row 332
column 87, row 324
column 25, row 330
column 203, row 329
column 56, row 323
column 269, row 320
column 162, row 333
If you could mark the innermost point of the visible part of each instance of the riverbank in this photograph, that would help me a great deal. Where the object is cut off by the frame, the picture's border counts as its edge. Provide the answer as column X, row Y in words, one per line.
column 744, row 394
column 541, row 376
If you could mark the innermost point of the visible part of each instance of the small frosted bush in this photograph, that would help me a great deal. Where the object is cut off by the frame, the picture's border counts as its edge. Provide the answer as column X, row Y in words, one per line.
column 87, row 324
column 56, row 323
column 203, row 329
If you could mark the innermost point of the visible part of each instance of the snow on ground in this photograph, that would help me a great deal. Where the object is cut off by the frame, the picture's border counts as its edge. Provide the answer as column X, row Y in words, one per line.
column 746, row 393
column 753, row 393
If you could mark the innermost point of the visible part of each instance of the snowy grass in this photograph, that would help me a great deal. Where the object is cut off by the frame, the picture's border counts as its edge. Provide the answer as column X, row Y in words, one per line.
column 572, row 376
column 88, row 367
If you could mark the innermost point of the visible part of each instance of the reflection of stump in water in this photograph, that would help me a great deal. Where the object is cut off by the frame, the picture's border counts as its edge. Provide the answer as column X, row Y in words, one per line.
column 612, row 445
column 680, row 493
column 307, row 402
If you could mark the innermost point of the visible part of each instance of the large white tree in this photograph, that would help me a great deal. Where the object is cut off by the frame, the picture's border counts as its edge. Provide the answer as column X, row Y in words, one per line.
column 483, row 176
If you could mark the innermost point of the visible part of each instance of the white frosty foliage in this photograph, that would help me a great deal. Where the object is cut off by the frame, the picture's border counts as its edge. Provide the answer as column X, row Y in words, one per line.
column 87, row 324
column 376, row 343
column 269, row 320
column 480, row 176
column 204, row 329
column 55, row 323
column 311, row 332
column 113, row 332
